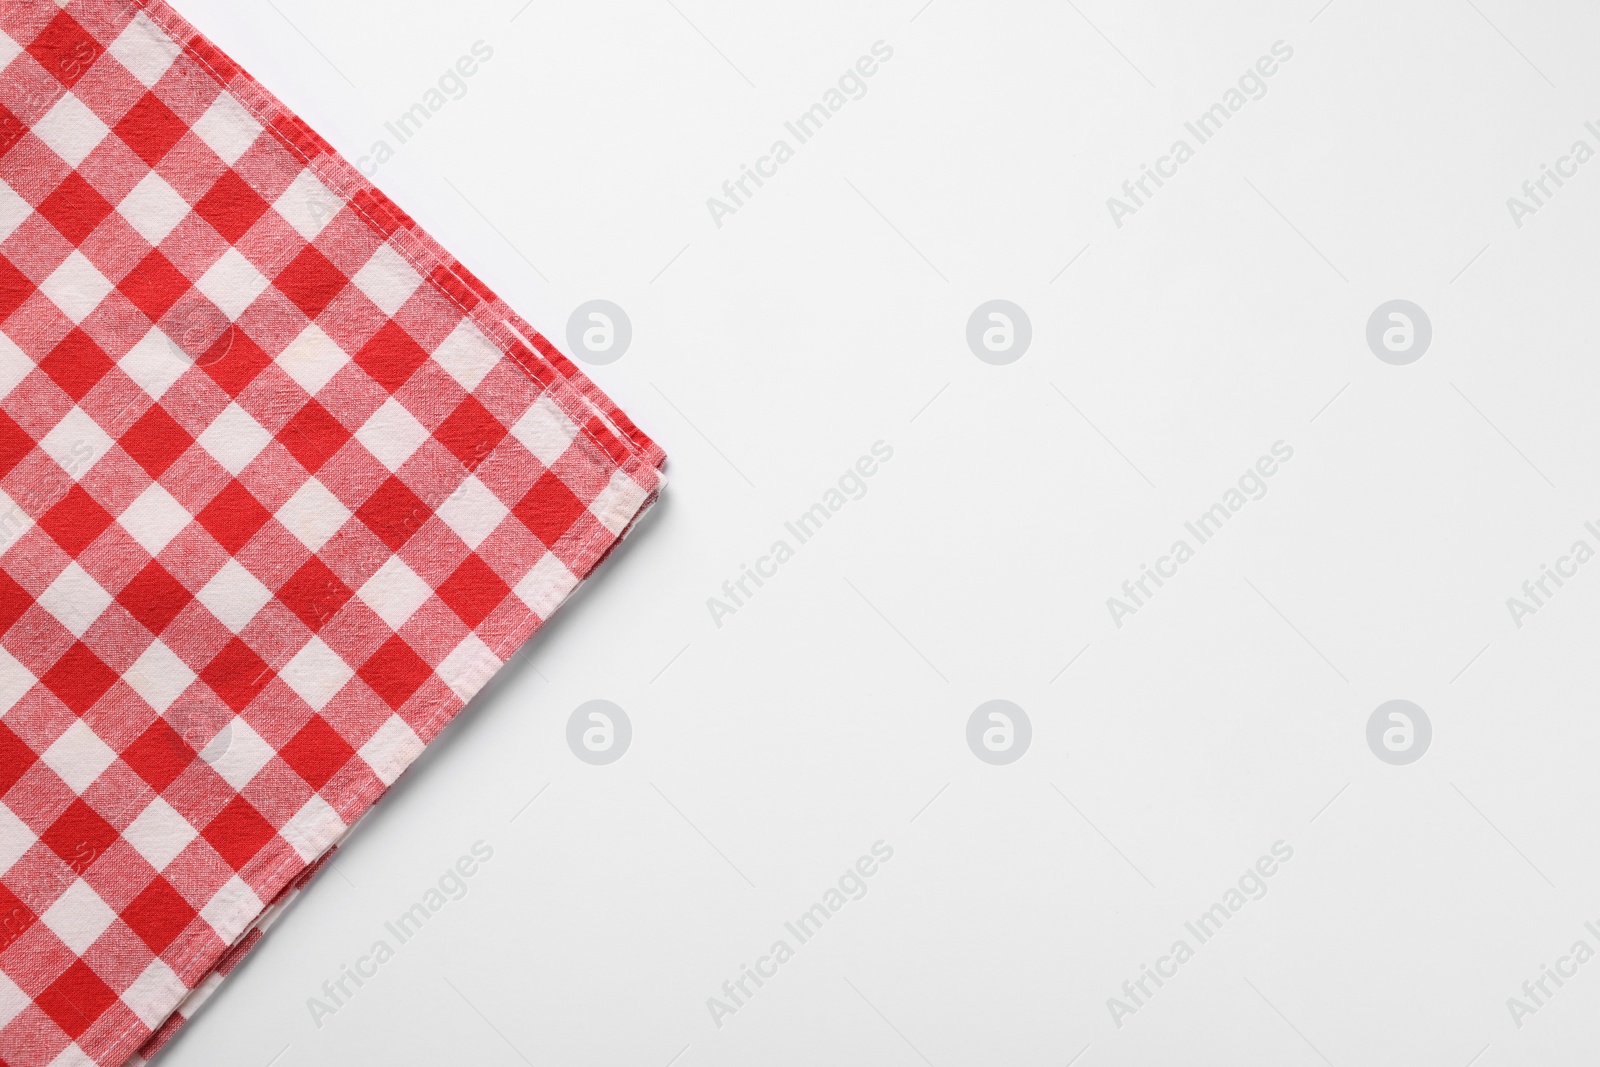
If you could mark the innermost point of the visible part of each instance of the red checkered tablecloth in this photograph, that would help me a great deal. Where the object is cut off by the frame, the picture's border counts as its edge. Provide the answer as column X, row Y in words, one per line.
column 281, row 486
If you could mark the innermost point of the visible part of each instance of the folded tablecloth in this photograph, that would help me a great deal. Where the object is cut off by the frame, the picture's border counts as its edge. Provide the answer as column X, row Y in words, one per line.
column 281, row 486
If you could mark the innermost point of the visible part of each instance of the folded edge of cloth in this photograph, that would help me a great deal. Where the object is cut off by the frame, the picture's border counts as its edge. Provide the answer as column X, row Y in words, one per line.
column 282, row 485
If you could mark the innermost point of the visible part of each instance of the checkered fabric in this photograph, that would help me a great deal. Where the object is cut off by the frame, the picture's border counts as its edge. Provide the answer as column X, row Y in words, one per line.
column 281, row 486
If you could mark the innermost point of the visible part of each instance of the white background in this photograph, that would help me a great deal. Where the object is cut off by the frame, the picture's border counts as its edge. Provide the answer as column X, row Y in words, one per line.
column 772, row 352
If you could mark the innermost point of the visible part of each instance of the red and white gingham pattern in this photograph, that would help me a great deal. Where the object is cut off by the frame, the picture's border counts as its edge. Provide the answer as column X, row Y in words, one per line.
column 281, row 486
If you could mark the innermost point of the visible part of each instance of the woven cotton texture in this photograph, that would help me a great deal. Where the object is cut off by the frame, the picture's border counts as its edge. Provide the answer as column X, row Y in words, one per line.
column 281, row 486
